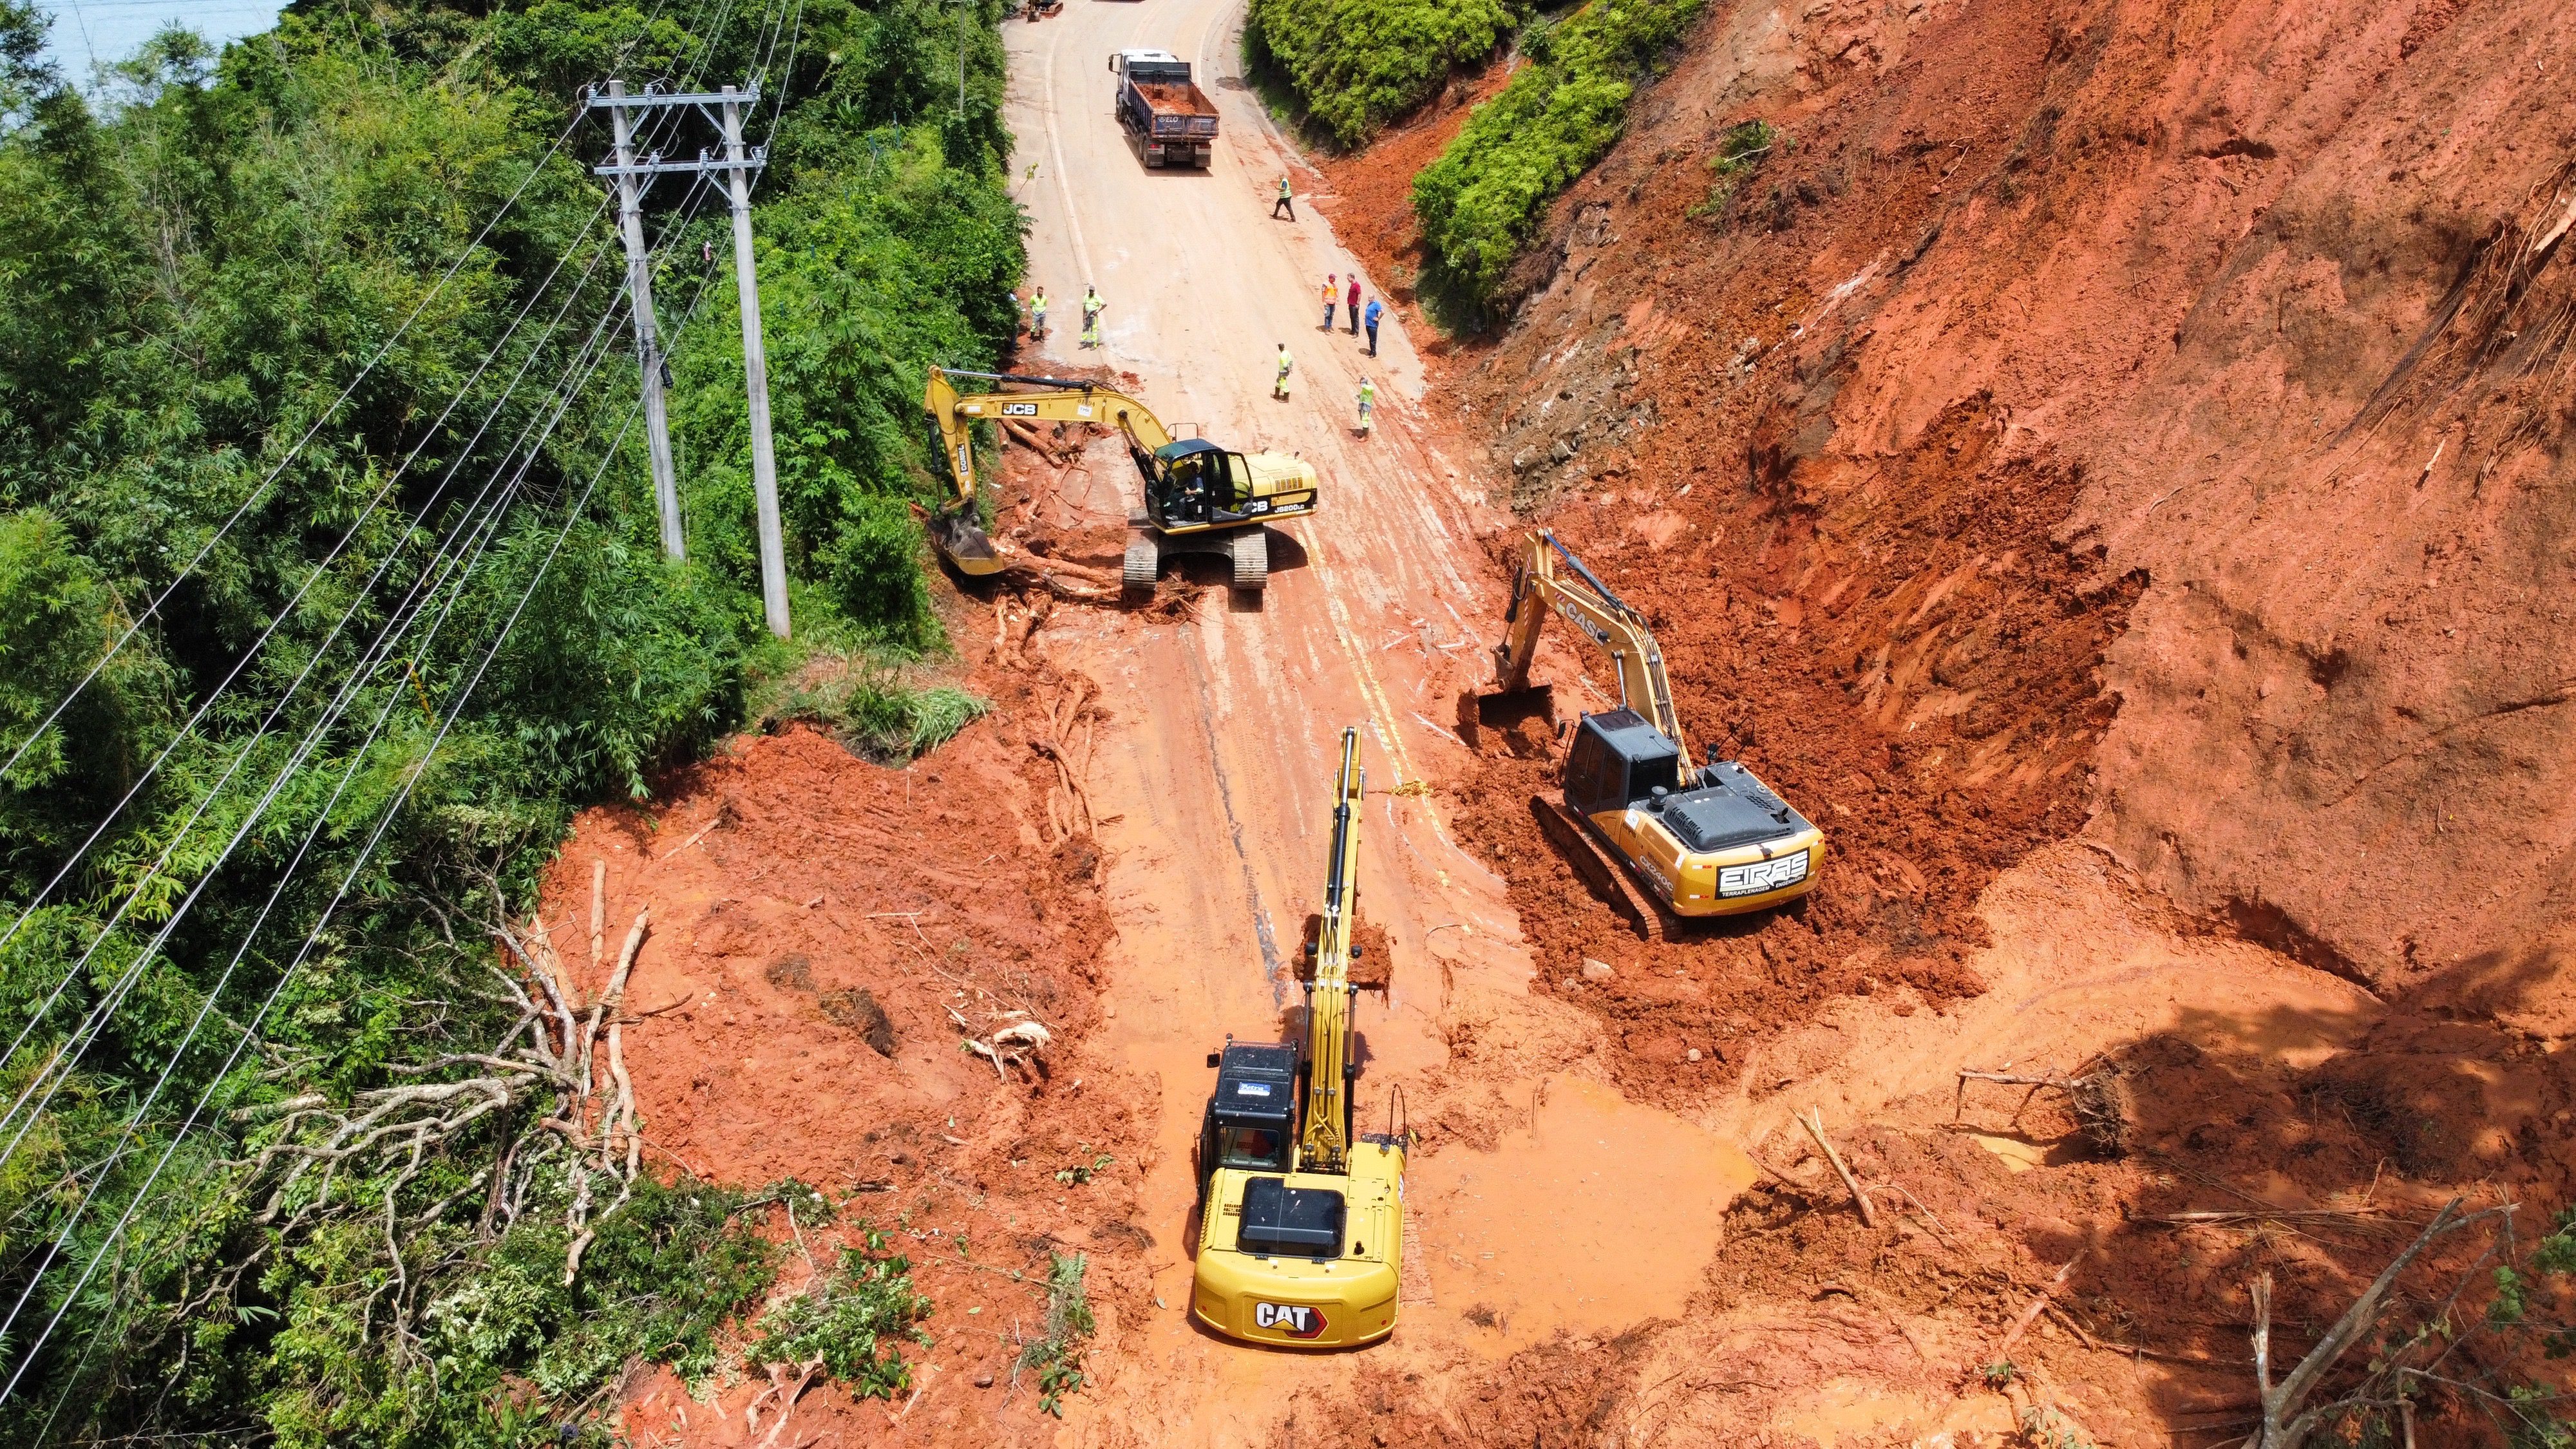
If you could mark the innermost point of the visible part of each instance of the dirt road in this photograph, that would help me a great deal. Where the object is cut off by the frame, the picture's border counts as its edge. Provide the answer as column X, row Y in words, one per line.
column 1213, row 792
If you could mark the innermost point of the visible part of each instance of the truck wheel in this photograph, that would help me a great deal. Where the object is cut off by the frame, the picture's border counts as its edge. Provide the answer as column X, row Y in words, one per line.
column 1144, row 560
column 1251, row 552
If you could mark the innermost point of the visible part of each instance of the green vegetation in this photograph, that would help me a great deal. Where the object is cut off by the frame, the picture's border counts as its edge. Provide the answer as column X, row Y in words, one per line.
column 851, row 1320
column 1740, row 153
column 1357, row 64
column 1484, row 199
column 1058, row 1356
column 354, row 463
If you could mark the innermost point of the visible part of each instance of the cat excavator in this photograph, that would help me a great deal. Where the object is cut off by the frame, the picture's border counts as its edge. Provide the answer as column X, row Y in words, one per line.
column 1301, row 1220
column 1654, row 834
column 1199, row 497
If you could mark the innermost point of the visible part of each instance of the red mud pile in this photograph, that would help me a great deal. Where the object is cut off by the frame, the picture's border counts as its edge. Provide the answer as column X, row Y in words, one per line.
column 2197, row 373
column 827, row 933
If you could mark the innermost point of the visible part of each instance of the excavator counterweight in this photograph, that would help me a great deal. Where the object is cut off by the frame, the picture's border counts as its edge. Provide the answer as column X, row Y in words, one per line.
column 1199, row 497
column 1654, row 833
column 1301, row 1219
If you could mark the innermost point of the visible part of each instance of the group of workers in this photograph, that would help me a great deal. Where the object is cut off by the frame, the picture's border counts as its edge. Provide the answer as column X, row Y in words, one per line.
column 1092, row 307
column 1335, row 295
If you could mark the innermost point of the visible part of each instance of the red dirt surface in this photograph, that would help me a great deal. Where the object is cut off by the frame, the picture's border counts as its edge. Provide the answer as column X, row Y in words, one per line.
column 801, row 897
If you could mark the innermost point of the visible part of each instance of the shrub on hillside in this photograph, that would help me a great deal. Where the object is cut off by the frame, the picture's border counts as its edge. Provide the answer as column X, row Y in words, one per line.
column 1482, row 201
column 1357, row 64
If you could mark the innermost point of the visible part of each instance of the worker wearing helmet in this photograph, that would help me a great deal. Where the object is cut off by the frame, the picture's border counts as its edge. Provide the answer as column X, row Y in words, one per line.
column 1091, row 305
column 1368, row 405
column 1279, row 385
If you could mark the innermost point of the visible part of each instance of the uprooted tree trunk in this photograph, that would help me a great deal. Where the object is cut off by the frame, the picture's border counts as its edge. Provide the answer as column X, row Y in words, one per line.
column 549, row 1058
column 2288, row 1422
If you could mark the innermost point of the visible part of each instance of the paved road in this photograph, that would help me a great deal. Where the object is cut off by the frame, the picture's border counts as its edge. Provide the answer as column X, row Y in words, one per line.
column 1218, row 774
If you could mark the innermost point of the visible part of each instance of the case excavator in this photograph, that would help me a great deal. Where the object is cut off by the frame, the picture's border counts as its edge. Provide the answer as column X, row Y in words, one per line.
column 1199, row 497
column 1654, row 834
column 1301, row 1221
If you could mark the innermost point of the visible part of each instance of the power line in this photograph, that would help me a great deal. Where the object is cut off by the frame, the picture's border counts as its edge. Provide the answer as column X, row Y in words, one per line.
column 392, row 811
column 411, row 780
column 383, row 349
column 97, row 1017
column 489, row 527
column 59, row 1070
column 242, row 756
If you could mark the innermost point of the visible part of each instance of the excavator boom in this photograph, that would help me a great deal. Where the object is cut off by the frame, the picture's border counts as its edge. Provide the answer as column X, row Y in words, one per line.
column 1604, row 618
column 1325, row 1144
column 953, row 529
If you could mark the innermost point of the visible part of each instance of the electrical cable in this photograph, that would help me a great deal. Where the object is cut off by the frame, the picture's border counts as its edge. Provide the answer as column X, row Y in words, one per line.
column 348, row 390
column 251, row 1031
column 487, row 528
column 277, row 622
column 243, row 755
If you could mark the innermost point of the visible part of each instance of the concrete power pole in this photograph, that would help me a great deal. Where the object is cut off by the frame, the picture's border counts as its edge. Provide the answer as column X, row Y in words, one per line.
column 755, row 367
column 738, row 164
column 648, row 345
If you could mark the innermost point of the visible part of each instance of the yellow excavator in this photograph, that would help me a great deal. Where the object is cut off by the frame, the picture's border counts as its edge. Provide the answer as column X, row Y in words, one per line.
column 1301, row 1221
column 1199, row 497
column 1701, row 840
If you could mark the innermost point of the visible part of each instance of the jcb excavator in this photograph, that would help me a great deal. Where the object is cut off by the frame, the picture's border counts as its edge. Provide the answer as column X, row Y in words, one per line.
column 1703, row 840
column 1199, row 498
column 1301, row 1226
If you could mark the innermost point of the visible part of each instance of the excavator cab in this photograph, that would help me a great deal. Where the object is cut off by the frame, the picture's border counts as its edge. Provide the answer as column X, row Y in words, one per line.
column 1194, row 483
column 1617, row 759
column 1251, row 1118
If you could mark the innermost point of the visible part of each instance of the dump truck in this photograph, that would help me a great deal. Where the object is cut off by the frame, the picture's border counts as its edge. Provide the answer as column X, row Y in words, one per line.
column 1170, row 116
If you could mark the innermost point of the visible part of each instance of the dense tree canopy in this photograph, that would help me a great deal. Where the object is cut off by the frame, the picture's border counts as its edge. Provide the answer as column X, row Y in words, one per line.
column 329, row 588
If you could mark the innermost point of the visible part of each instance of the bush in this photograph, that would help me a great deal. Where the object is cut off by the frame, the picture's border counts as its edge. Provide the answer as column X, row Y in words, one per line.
column 853, row 1319
column 1483, row 200
column 1740, row 153
column 1356, row 64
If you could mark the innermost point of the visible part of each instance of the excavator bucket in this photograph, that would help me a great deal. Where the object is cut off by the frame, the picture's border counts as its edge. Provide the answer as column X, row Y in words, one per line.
column 1372, row 967
column 954, row 533
column 1519, row 722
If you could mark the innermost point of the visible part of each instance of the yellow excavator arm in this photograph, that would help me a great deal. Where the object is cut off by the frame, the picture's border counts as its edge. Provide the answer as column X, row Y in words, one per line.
column 1604, row 618
column 1064, row 401
column 1325, row 1144
column 953, row 528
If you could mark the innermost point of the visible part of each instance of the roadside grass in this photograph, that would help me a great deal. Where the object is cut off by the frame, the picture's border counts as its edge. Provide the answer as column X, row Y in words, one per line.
column 1057, row 1357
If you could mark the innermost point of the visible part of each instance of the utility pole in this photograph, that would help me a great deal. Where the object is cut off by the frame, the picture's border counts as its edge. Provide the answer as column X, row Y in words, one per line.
column 755, row 368
column 648, row 346
column 737, row 166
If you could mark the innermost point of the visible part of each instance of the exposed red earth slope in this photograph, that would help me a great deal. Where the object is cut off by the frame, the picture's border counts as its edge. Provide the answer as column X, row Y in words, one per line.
column 2111, row 467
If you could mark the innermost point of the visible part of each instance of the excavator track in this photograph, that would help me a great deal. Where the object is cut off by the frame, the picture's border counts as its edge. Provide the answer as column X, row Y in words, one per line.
column 1143, row 563
column 1607, row 877
column 1249, row 551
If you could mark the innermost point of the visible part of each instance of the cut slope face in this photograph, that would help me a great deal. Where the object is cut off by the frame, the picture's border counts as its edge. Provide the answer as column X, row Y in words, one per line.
column 2179, row 388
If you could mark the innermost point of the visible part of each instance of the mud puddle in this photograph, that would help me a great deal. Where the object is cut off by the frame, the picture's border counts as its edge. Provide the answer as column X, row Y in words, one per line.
column 1551, row 1230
